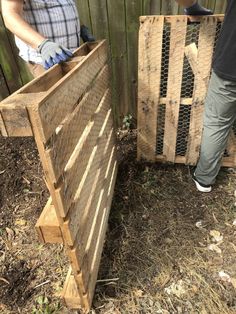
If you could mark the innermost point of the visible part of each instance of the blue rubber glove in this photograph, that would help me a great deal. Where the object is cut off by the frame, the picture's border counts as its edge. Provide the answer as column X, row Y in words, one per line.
column 197, row 9
column 86, row 34
column 53, row 53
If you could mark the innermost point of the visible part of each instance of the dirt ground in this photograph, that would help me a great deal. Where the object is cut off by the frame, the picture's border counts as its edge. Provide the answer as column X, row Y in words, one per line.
column 169, row 249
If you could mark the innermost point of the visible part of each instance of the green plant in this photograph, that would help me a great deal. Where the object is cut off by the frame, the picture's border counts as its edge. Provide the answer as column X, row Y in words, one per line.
column 44, row 307
column 127, row 121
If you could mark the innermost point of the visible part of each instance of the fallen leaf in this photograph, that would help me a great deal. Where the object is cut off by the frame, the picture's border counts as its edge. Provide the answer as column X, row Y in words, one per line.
column 138, row 293
column 217, row 237
column 224, row 277
column 20, row 222
column 234, row 222
column 215, row 248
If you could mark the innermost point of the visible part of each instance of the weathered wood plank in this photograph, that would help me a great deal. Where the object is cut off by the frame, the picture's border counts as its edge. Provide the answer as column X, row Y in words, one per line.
column 133, row 10
column 149, row 77
column 205, row 52
column 99, row 18
column 70, row 294
column 47, row 226
column 191, row 54
column 176, row 61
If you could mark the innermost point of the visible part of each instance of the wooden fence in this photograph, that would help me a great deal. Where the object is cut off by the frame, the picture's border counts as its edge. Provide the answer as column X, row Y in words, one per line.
column 115, row 20
column 68, row 111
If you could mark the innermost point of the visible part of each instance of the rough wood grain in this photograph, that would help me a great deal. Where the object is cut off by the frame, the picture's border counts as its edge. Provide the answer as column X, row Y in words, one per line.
column 175, row 73
column 150, row 52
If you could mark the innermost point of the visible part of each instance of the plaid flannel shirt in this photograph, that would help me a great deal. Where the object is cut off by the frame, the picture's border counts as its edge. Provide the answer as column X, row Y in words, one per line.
column 57, row 20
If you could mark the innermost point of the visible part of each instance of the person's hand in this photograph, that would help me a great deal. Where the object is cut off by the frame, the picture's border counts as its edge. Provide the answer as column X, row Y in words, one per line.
column 197, row 9
column 86, row 34
column 53, row 53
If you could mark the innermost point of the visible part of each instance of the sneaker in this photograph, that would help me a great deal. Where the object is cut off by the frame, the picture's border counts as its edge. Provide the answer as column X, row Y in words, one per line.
column 201, row 187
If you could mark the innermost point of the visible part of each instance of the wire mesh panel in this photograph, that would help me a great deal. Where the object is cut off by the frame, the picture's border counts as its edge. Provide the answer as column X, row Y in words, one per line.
column 71, row 119
column 174, row 72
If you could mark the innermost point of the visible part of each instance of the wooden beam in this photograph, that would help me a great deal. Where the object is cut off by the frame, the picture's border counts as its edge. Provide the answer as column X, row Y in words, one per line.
column 191, row 54
column 70, row 294
column 149, row 80
column 47, row 226
column 175, row 73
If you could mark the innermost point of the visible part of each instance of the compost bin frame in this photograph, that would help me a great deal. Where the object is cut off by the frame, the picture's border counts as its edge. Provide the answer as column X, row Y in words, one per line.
column 151, row 46
column 73, row 93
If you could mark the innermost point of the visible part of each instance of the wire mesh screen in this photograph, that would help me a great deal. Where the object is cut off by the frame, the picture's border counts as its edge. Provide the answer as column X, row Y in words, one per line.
column 186, row 49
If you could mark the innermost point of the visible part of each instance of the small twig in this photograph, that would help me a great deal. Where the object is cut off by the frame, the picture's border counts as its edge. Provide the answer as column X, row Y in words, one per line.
column 107, row 280
column 42, row 284
column 4, row 280
column 1, row 172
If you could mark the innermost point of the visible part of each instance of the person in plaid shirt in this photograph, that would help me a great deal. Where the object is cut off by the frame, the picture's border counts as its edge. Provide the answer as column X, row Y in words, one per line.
column 46, row 32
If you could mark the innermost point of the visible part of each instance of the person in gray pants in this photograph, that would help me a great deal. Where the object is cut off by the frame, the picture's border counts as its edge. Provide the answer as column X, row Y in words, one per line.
column 220, row 104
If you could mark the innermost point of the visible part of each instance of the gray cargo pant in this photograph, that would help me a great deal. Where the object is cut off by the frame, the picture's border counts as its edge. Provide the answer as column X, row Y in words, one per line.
column 219, row 116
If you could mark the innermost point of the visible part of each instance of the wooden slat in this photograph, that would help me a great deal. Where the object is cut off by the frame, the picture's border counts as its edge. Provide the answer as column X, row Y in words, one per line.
column 16, row 122
column 176, row 60
column 93, row 136
column 150, row 52
column 133, row 10
column 70, row 90
column 117, row 30
column 205, row 52
column 191, row 54
column 198, row 19
column 47, row 226
column 15, row 115
column 70, row 294
column 74, row 125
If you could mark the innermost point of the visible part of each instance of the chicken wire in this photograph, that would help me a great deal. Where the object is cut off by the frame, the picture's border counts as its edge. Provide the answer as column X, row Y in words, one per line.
column 187, row 89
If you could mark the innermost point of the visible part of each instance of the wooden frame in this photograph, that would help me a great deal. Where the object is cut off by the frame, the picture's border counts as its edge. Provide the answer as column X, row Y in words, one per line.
column 172, row 51
column 68, row 111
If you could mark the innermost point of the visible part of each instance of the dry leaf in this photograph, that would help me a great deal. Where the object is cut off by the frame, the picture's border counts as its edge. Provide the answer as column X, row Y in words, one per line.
column 234, row 222
column 138, row 293
column 215, row 248
column 20, row 222
column 224, row 277
column 217, row 237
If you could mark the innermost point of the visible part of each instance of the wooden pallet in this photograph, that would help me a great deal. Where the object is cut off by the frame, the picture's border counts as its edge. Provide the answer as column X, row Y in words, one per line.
column 175, row 56
column 68, row 111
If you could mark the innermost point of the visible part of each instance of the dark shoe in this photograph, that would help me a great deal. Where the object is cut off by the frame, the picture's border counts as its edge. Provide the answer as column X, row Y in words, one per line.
column 197, row 9
column 86, row 34
column 201, row 187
